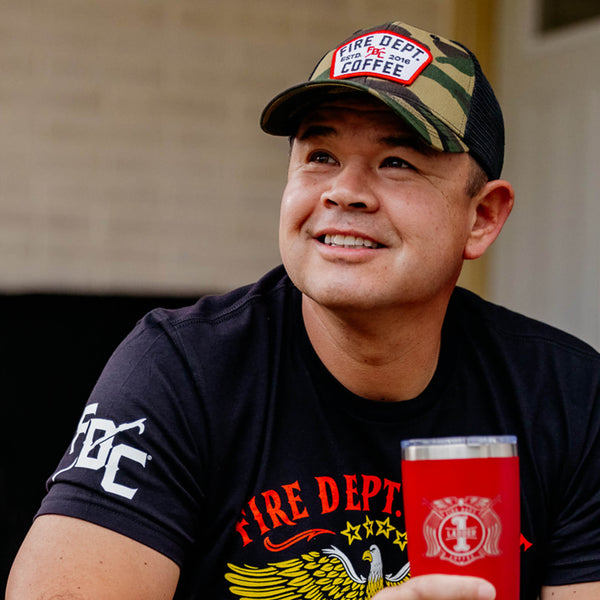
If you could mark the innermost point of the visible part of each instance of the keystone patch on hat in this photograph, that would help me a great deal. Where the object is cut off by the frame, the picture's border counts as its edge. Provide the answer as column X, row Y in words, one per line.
column 434, row 84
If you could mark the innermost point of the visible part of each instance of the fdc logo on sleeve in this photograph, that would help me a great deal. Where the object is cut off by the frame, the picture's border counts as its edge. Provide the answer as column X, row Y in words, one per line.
column 99, row 451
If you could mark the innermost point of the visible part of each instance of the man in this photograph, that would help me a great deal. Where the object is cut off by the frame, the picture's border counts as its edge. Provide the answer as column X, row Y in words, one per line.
column 248, row 446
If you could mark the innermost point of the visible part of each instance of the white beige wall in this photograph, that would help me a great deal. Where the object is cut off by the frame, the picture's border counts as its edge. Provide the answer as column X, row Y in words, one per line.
column 546, row 262
column 130, row 154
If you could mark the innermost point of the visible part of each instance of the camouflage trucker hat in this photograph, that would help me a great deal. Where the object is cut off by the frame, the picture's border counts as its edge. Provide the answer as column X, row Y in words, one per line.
column 434, row 84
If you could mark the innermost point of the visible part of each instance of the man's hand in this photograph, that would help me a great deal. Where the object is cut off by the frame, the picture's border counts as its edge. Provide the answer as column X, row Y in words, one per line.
column 440, row 587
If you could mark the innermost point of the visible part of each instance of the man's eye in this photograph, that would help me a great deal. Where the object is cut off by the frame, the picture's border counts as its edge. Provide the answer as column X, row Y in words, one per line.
column 321, row 157
column 393, row 162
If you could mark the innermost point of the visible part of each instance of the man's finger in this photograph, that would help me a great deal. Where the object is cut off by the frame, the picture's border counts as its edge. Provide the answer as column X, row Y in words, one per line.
column 440, row 587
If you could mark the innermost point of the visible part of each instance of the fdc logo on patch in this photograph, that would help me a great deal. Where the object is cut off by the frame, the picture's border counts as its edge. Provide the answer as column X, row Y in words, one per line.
column 382, row 54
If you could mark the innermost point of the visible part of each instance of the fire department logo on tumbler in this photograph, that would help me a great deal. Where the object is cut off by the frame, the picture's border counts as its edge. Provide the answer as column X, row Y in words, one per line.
column 462, row 530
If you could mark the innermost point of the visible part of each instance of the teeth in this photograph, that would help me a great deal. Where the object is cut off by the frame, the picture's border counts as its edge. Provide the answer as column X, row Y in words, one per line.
column 349, row 241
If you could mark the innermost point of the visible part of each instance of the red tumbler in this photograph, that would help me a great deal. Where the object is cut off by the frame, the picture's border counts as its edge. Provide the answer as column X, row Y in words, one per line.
column 462, row 509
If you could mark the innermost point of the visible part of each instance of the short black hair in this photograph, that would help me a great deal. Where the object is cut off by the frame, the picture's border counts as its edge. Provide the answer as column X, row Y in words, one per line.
column 477, row 178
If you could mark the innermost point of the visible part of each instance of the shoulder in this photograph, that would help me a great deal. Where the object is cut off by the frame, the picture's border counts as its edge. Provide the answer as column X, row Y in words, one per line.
column 207, row 337
column 243, row 328
column 214, row 319
column 536, row 358
column 268, row 295
column 491, row 323
column 543, row 380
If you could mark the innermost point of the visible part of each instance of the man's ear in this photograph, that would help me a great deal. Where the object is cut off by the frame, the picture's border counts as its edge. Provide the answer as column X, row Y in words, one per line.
column 491, row 207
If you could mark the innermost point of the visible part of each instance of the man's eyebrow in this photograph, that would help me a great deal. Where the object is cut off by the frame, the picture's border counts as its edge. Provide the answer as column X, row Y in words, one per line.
column 313, row 131
column 408, row 141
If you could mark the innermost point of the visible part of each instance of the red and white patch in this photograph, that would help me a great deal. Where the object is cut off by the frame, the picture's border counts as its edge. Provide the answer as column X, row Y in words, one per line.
column 382, row 54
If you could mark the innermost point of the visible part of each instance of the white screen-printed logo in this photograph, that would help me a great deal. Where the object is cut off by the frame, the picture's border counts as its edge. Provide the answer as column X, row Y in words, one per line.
column 98, row 450
column 382, row 54
column 462, row 530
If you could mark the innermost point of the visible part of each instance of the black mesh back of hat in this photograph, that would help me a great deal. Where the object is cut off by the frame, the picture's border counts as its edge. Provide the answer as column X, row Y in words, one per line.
column 485, row 126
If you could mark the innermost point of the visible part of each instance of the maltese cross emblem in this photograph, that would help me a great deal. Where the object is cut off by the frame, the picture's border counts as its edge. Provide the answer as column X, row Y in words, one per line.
column 462, row 530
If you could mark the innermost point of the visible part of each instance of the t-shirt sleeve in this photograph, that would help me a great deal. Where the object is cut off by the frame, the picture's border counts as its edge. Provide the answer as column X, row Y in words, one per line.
column 574, row 553
column 135, row 463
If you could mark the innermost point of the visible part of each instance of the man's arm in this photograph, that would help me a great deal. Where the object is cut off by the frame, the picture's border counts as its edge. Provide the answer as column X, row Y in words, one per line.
column 71, row 559
column 578, row 591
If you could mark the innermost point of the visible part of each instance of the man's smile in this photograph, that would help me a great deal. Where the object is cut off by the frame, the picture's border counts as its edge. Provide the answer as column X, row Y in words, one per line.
column 340, row 240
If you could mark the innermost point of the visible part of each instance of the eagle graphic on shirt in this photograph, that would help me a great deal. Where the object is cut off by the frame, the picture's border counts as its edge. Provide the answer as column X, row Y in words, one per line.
column 319, row 575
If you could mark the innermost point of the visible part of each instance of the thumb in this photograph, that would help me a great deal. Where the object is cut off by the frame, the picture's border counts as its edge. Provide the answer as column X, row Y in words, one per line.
column 440, row 587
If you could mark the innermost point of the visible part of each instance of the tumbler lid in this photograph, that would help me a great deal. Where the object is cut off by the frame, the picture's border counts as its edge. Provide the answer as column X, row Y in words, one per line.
column 476, row 446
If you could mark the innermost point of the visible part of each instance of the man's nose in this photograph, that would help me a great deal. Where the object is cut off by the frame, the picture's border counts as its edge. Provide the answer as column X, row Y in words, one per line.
column 351, row 189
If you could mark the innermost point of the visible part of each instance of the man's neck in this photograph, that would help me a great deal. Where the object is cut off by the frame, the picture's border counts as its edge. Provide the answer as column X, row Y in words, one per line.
column 386, row 357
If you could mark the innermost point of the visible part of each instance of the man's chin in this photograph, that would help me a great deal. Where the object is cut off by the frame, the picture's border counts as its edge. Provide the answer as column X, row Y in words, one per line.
column 346, row 301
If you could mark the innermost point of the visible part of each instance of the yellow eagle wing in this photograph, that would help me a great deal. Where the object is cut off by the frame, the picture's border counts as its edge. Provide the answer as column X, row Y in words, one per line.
column 402, row 576
column 314, row 575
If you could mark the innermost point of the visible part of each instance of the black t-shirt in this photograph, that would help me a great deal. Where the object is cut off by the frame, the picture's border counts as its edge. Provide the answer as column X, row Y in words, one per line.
column 216, row 436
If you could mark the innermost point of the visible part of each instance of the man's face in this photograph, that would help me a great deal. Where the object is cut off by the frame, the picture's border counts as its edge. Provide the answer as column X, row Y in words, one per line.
column 370, row 217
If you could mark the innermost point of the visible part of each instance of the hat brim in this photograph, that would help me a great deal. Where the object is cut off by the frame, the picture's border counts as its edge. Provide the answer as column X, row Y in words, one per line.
column 283, row 114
